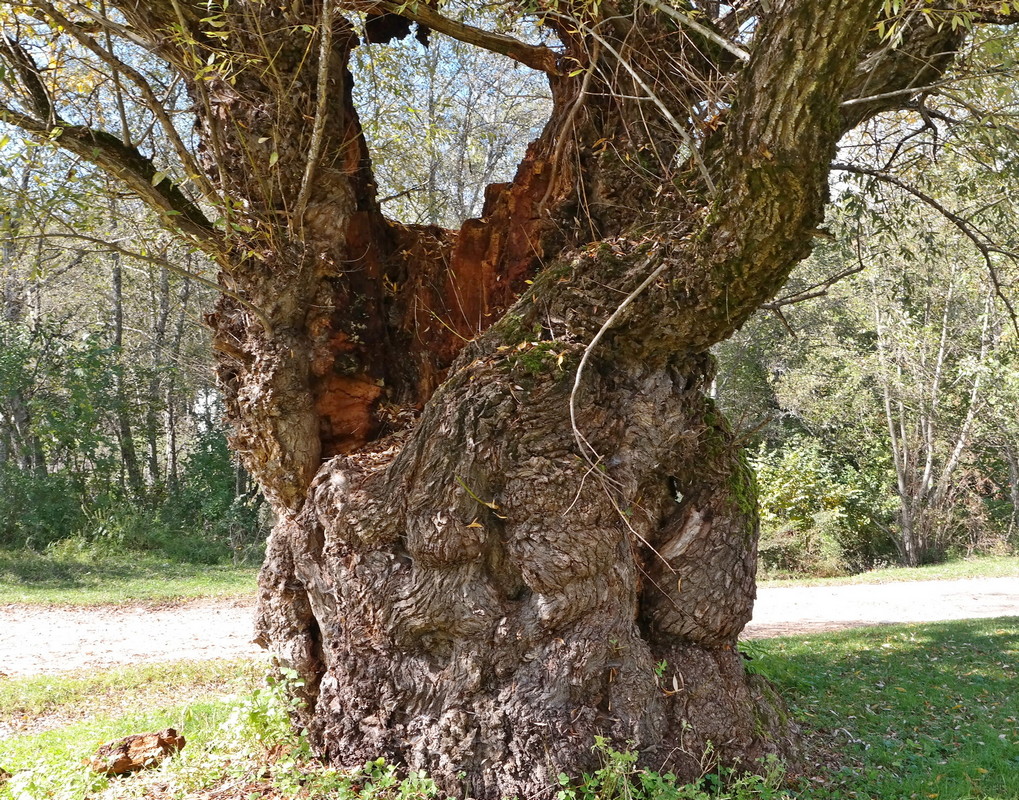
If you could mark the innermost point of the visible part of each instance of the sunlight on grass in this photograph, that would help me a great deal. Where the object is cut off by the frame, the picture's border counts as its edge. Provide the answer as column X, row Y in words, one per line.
column 977, row 567
column 87, row 577
column 910, row 712
column 196, row 698
column 914, row 711
column 44, row 701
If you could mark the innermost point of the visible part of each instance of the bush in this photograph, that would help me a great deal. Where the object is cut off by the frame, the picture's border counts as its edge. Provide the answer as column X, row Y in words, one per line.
column 37, row 510
column 818, row 518
column 202, row 521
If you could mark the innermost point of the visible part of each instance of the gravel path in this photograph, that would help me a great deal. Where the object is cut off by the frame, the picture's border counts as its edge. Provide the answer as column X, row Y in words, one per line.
column 805, row 609
column 36, row 640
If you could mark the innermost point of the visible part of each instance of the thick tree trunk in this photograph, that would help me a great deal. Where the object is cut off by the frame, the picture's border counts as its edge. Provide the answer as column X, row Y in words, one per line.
column 484, row 595
column 478, row 568
column 487, row 602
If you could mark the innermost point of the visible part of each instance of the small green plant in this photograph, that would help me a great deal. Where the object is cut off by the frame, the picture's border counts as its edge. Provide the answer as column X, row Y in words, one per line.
column 619, row 778
column 264, row 717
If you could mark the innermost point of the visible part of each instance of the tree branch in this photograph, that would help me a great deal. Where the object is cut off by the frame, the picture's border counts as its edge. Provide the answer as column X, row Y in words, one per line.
column 128, row 165
column 701, row 30
column 979, row 239
column 39, row 99
column 888, row 75
column 152, row 102
column 819, row 289
column 105, row 23
column 534, row 56
column 325, row 50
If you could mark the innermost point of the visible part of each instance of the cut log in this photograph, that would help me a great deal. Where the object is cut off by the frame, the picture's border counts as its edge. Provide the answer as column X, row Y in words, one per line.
column 132, row 753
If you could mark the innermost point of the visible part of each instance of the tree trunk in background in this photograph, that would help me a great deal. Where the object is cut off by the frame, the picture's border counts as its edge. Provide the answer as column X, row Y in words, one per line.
column 18, row 439
column 125, row 436
column 159, row 365
column 172, row 414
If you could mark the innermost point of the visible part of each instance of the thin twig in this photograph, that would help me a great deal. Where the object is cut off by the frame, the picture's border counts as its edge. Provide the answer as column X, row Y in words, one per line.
column 684, row 134
column 325, row 50
column 703, row 30
column 568, row 122
column 613, row 318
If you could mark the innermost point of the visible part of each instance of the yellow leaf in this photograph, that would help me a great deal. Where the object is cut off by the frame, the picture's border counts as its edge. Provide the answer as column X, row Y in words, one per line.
column 475, row 524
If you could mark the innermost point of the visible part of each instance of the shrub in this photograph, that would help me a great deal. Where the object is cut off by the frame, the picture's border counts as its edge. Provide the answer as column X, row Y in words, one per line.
column 816, row 517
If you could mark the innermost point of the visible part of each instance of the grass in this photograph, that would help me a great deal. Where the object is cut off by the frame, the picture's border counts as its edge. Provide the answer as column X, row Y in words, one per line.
column 906, row 711
column 976, row 567
column 44, row 702
column 91, row 576
column 83, row 711
column 902, row 712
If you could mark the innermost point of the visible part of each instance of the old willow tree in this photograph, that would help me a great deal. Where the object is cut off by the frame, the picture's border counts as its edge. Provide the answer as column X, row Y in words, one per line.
column 510, row 519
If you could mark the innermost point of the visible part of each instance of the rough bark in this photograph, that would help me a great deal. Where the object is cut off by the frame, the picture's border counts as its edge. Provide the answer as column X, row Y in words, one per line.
column 465, row 582
column 487, row 601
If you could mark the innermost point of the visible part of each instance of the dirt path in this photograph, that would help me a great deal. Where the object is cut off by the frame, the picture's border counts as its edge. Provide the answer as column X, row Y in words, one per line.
column 806, row 609
column 37, row 640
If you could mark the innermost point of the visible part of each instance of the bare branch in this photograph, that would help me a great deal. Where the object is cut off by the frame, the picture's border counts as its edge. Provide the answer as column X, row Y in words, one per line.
column 28, row 71
column 684, row 134
column 701, row 30
column 819, row 289
column 113, row 247
column 534, row 56
column 105, row 23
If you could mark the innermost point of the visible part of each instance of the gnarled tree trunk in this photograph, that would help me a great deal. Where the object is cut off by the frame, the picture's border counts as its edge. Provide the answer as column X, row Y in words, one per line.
column 490, row 554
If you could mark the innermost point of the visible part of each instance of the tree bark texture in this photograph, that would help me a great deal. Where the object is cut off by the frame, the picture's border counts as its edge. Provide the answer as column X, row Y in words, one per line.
column 477, row 594
column 484, row 560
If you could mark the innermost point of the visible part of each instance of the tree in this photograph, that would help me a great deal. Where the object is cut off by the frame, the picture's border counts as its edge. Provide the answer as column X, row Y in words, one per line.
column 509, row 517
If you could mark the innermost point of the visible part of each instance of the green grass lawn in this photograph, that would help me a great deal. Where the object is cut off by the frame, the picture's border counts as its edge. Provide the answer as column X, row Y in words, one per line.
column 85, row 576
column 906, row 711
column 67, row 717
column 976, row 567
column 903, row 712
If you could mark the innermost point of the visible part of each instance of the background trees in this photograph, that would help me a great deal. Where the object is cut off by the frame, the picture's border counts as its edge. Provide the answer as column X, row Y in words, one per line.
column 895, row 374
column 110, row 427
